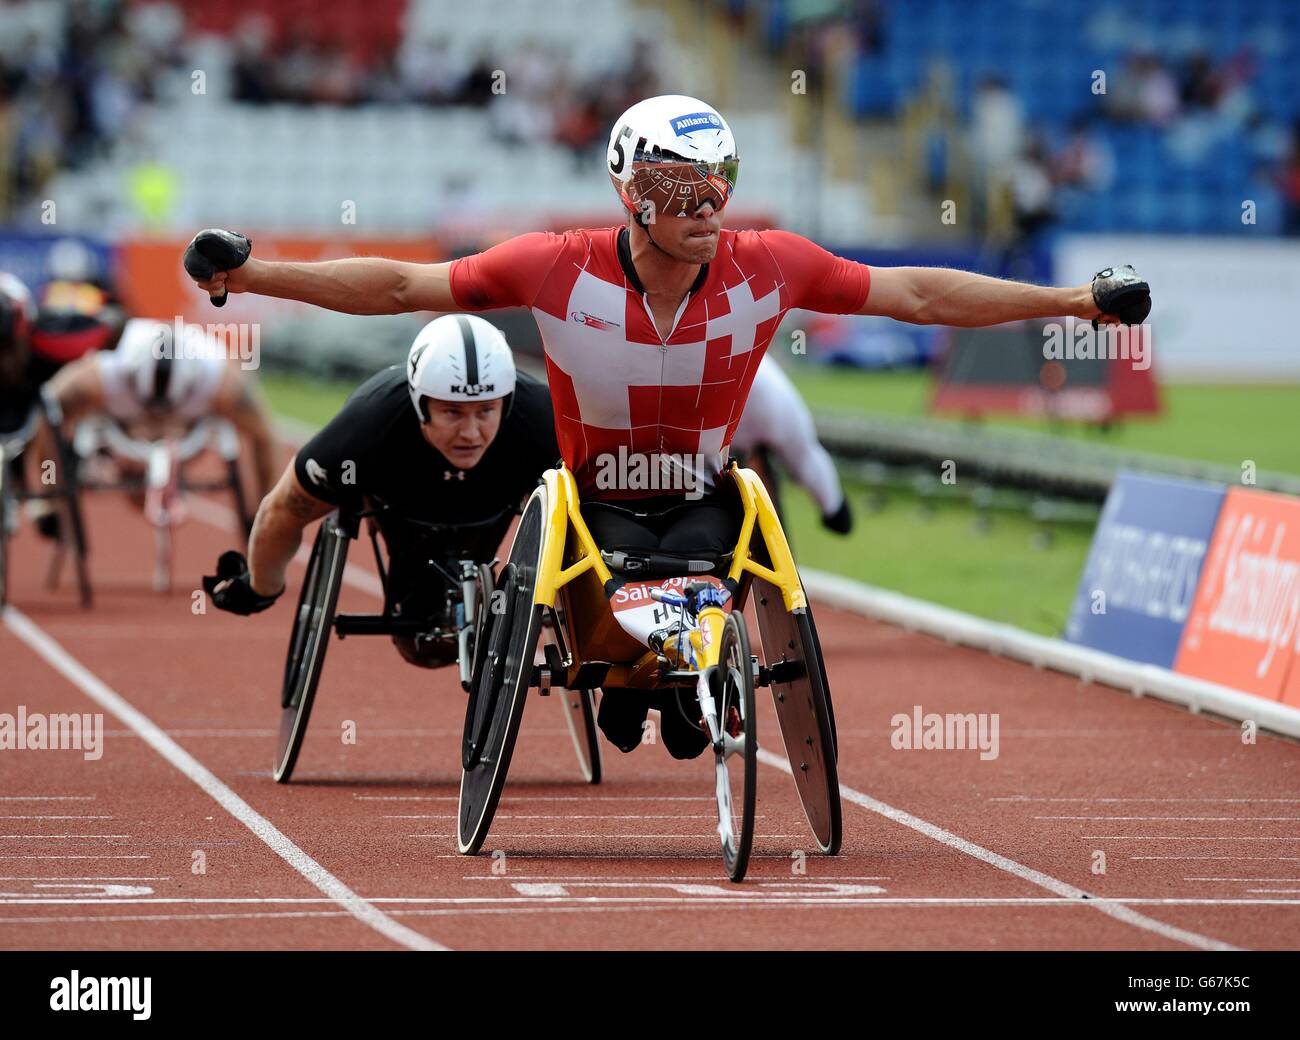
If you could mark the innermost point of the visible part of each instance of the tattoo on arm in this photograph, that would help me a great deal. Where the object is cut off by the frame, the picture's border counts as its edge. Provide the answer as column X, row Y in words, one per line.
column 304, row 507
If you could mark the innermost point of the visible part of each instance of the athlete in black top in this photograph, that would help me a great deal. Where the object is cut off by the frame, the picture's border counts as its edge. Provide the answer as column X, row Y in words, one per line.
column 464, row 463
column 373, row 450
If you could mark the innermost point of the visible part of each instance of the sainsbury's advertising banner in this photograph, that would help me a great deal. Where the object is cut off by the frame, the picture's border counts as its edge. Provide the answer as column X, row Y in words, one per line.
column 1244, row 625
column 1140, row 580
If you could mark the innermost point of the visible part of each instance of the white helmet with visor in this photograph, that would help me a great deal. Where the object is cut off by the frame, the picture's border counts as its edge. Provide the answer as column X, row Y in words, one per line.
column 670, row 155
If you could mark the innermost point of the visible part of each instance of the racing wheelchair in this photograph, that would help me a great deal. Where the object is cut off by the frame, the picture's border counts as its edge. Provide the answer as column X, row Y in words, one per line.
column 14, row 491
column 108, row 458
column 692, row 632
column 469, row 602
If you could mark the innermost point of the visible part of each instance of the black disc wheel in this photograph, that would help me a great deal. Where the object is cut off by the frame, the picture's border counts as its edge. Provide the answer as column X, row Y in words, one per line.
column 792, row 654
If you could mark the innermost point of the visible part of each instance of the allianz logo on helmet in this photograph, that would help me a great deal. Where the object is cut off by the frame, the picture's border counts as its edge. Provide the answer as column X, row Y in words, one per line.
column 688, row 124
column 473, row 389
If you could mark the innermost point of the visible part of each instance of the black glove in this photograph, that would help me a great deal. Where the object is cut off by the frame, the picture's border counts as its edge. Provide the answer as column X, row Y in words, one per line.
column 840, row 521
column 1121, row 292
column 230, row 588
column 213, row 250
column 50, row 525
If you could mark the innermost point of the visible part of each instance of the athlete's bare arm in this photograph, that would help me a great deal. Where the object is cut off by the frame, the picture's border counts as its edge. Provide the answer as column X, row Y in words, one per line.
column 359, row 285
column 277, row 531
column 78, row 389
column 237, row 399
column 939, row 296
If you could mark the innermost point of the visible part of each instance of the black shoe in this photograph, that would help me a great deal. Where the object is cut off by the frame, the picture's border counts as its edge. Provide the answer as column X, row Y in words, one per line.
column 679, row 712
column 622, row 717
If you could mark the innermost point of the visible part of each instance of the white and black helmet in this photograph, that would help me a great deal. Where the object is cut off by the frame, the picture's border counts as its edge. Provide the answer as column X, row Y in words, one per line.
column 161, row 372
column 673, row 153
column 459, row 357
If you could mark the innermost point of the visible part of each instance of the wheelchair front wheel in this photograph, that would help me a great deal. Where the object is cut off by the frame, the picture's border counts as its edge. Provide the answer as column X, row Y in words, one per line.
column 496, row 706
column 736, row 752
column 308, row 641
column 580, row 714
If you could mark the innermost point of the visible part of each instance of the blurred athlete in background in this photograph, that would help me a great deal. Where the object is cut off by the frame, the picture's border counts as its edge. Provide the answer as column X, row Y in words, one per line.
column 776, row 421
column 150, row 395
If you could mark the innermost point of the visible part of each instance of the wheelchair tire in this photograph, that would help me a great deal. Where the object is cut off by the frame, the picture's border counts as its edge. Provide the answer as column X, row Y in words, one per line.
column 308, row 642
column 580, row 714
column 4, row 537
column 496, row 705
column 241, row 499
column 792, row 654
column 735, row 687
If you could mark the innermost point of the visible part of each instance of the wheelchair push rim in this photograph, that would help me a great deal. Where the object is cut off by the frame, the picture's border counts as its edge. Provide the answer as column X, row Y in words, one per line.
column 736, row 752
column 792, row 654
column 497, row 702
column 317, row 601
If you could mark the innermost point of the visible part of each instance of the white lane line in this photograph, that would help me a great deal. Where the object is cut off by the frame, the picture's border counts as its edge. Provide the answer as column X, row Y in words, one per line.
column 730, row 898
column 477, row 911
column 622, row 857
column 61, row 837
column 77, row 857
column 554, row 816
column 791, row 882
column 1251, row 880
column 1182, row 819
column 1175, row 837
column 62, row 878
column 1287, row 859
column 47, row 797
column 1098, row 801
column 528, row 798
column 216, row 515
column 71, row 669
column 1118, row 911
column 604, row 835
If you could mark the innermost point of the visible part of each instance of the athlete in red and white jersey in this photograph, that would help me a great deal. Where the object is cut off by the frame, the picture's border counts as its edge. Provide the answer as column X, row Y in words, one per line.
column 618, row 381
column 654, row 331
column 777, row 420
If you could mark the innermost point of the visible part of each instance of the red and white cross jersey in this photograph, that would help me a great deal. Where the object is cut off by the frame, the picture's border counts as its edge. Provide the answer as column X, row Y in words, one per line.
column 619, row 390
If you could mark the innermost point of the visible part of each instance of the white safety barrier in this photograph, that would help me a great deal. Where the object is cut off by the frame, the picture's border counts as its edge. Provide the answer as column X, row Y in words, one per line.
column 1044, row 652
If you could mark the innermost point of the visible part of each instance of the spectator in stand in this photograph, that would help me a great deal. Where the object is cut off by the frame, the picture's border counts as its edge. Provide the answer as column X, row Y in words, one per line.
column 1144, row 92
column 1289, row 183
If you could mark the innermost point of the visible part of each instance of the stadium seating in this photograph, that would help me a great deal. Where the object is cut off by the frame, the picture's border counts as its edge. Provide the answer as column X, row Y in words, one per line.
column 1046, row 50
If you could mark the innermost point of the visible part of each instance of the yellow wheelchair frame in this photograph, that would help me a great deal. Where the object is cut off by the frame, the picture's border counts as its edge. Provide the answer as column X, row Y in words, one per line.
column 557, row 568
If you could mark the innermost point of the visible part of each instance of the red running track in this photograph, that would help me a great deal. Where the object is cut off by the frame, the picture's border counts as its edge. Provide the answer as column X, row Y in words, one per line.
column 178, row 838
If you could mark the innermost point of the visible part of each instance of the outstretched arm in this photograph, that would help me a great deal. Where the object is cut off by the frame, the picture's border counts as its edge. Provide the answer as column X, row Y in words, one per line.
column 939, row 296
column 359, row 285
column 78, row 389
column 277, row 531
